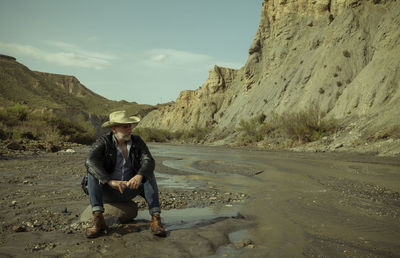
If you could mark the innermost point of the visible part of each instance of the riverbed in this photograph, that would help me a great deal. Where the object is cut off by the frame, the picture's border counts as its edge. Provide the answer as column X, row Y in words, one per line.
column 216, row 201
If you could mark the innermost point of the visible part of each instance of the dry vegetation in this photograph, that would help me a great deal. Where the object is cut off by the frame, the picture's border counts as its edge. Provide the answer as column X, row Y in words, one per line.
column 195, row 135
column 286, row 129
column 19, row 122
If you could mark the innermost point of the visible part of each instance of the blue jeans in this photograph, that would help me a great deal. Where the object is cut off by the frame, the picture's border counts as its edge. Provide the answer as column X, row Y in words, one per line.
column 103, row 192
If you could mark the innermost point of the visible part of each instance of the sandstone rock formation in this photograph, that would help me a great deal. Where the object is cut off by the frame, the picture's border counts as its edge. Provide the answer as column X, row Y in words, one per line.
column 70, row 84
column 196, row 108
column 343, row 55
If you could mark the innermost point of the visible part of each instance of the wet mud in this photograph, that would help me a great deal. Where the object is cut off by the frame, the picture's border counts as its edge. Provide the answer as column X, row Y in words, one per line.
column 216, row 201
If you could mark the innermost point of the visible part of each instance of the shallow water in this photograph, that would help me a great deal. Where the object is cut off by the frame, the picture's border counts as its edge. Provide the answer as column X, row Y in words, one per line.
column 174, row 181
column 216, row 173
column 191, row 217
column 304, row 203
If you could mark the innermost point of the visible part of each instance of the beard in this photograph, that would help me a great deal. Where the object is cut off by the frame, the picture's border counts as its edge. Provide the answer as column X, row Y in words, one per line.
column 122, row 137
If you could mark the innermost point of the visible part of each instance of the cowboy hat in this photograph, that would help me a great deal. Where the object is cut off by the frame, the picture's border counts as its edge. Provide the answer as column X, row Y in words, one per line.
column 120, row 117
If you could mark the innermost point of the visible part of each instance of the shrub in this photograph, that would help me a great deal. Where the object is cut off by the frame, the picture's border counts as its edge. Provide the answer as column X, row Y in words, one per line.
column 83, row 138
column 346, row 53
column 3, row 134
column 252, row 129
column 309, row 125
column 18, row 122
column 153, row 134
column 197, row 133
column 17, row 133
column 52, row 135
column 20, row 111
column 289, row 127
column 384, row 133
column 13, row 115
column 72, row 131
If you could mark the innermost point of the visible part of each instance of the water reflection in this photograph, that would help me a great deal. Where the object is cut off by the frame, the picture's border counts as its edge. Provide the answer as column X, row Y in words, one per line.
column 174, row 181
column 191, row 217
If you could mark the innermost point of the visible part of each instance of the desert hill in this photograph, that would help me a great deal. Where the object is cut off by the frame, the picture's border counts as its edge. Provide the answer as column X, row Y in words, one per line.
column 339, row 56
column 45, row 90
column 44, row 94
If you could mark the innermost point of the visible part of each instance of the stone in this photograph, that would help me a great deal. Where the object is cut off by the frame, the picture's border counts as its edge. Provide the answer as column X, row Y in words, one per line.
column 67, row 151
column 122, row 212
column 18, row 228
column 14, row 146
column 244, row 242
column 50, row 147
column 28, row 135
column 339, row 145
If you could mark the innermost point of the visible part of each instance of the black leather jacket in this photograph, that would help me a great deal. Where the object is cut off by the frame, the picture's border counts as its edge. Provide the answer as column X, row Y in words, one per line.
column 102, row 158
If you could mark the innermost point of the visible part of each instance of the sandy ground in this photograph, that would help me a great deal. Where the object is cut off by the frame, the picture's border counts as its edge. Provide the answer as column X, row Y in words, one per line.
column 218, row 202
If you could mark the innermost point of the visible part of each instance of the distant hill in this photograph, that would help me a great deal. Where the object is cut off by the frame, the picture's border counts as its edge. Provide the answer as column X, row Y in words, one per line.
column 45, row 93
column 18, row 84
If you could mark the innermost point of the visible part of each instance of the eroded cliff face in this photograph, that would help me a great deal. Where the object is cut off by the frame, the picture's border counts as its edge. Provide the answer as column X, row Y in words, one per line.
column 69, row 84
column 196, row 107
column 342, row 55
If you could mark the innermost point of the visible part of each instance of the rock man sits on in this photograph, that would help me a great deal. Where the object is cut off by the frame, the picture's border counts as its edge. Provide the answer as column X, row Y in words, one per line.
column 120, row 167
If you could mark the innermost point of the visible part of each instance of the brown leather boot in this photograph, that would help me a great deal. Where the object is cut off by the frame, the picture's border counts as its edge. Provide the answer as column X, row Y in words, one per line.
column 156, row 226
column 98, row 226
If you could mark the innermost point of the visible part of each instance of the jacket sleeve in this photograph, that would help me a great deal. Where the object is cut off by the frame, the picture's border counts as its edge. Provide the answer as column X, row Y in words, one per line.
column 147, row 163
column 95, row 162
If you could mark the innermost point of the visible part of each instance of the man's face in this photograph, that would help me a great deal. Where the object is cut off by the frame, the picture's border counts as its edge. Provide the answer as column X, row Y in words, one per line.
column 122, row 132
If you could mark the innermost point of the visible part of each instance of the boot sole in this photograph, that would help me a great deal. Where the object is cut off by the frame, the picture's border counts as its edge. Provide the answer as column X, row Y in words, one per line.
column 159, row 233
column 100, row 233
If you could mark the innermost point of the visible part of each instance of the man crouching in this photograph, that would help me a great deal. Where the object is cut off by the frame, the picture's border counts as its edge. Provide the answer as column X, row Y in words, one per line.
column 120, row 167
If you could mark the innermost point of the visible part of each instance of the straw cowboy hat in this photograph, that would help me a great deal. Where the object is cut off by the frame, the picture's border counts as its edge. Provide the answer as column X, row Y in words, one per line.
column 120, row 117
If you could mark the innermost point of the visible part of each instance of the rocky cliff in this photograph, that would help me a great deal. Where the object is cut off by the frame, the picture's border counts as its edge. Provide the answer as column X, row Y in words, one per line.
column 200, row 107
column 342, row 55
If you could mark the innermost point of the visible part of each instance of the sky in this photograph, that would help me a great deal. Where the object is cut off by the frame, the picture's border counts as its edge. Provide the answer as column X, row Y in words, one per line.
column 133, row 50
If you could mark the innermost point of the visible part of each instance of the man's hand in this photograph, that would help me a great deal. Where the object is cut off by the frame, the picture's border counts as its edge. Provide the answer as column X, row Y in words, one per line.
column 118, row 185
column 135, row 182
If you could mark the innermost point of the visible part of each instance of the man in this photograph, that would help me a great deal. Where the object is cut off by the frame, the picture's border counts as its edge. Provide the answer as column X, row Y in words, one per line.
column 121, row 167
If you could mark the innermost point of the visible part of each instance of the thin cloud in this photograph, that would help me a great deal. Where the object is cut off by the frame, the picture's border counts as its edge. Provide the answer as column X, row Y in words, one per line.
column 65, row 55
column 158, row 58
column 175, row 58
column 171, row 58
column 92, row 38
column 79, row 51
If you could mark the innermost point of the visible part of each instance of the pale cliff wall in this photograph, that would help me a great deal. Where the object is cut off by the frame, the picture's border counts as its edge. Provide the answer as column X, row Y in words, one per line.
column 341, row 54
column 196, row 107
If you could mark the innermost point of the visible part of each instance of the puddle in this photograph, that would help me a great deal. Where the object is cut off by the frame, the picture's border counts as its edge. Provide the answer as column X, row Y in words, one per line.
column 197, row 177
column 185, row 165
column 173, row 181
column 191, row 217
